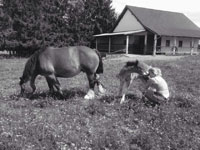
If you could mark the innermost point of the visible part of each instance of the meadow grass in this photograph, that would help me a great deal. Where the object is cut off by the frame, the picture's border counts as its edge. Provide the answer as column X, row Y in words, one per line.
column 44, row 122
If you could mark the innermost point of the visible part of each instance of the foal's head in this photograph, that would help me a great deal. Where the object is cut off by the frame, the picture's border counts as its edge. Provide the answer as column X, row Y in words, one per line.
column 132, row 70
column 138, row 67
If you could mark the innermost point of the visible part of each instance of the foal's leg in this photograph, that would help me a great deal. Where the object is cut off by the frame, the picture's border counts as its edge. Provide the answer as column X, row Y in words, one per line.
column 122, row 82
column 127, row 82
column 125, row 85
column 90, row 94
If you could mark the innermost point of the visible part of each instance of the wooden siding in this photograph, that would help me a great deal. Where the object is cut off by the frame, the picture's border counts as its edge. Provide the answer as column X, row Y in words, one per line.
column 186, row 45
column 128, row 23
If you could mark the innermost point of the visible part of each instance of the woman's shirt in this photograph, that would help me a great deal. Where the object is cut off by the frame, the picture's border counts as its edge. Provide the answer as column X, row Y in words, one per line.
column 159, row 85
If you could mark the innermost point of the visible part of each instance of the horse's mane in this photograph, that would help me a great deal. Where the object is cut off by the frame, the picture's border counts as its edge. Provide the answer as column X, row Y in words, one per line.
column 30, row 65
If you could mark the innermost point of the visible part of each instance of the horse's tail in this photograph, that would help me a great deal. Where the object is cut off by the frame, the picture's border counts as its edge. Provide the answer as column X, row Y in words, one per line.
column 100, row 67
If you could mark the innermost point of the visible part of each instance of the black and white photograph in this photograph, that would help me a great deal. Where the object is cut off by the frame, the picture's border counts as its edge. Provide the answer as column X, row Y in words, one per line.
column 99, row 75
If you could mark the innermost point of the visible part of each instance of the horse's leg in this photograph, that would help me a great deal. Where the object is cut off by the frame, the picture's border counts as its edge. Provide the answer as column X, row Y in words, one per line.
column 50, row 84
column 101, row 89
column 90, row 94
column 32, row 83
column 53, row 82
column 57, row 85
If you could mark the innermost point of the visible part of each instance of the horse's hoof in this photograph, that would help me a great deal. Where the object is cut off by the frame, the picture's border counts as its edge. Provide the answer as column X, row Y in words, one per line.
column 122, row 99
column 90, row 95
column 101, row 89
column 97, row 76
column 87, row 97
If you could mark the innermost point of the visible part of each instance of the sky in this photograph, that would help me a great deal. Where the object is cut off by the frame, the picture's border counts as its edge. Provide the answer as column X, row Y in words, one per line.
column 190, row 8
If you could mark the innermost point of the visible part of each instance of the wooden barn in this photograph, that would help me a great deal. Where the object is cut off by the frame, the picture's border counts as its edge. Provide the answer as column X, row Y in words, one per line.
column 148, row 31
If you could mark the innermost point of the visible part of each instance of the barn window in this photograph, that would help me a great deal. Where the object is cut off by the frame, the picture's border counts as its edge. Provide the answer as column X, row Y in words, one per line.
column 180, row 43
column 167, row 43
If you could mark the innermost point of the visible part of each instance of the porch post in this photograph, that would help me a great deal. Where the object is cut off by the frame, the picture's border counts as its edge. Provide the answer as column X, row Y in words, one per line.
column 127, row 43
column 109, row 44
column 192, row 47
column 155, row 45
column 174, row 48
column 145, row 43
column 96, row 43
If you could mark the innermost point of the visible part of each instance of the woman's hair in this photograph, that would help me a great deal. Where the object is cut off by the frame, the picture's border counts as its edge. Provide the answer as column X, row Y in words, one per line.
column 156, row 71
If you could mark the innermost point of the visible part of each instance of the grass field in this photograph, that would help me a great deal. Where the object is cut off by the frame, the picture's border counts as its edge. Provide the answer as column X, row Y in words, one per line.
column 42, row 122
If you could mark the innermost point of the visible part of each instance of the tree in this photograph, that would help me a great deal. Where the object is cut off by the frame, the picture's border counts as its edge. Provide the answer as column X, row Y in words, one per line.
column 30, row 25
column 34, row 24
column 88, row 17
column 4, row 25
column 101, row 14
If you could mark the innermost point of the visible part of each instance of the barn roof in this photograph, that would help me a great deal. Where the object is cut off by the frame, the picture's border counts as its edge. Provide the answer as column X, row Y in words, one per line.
column 164, row 23
column 120, row 33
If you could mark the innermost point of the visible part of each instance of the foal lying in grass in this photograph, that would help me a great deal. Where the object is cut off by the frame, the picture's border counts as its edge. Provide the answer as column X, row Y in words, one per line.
column 132, row 70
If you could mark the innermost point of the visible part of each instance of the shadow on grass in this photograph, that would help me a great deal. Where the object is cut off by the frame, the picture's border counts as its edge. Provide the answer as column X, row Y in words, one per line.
column 116, row 99
column 67, row 94
column 132, row 97
column 108, row 99
column 43, row 99
column 183, row 102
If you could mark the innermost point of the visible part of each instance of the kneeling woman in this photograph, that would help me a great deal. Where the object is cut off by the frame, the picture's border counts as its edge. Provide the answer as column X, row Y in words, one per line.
column 157, row 91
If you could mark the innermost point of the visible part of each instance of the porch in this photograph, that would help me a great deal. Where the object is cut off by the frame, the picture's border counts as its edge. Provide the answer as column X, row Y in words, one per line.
column 133, row 42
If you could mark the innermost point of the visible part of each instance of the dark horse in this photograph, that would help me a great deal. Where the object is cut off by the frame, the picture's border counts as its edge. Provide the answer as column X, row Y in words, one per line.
column 130, row 71
column 63, row 62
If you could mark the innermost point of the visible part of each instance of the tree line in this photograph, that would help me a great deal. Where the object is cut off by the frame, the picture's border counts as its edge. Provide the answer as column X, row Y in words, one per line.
column 29, row 25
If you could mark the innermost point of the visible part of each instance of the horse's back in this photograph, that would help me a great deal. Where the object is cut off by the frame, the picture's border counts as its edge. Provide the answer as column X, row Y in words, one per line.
column 89, row 58
column 67, row 61
column 68, row 52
